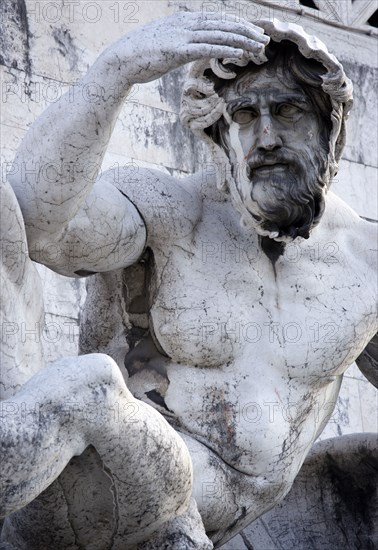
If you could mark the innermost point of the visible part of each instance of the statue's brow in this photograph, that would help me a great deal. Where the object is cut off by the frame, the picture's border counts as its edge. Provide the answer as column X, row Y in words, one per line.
column 239, row 103
column 286, row 97
column 291, row 97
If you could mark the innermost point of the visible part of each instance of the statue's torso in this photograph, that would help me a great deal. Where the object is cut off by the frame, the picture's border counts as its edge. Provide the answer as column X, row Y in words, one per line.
column 256, row 352
column 246, row 358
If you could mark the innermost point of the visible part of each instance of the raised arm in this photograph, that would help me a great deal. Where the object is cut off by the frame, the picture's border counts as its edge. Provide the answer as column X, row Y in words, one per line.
column 58, row 161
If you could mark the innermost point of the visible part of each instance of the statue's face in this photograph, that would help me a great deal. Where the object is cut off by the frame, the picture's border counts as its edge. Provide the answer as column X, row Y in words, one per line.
column 272, row 137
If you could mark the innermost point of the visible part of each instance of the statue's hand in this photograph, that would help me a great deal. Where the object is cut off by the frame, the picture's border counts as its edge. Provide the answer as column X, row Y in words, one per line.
column 163, row 45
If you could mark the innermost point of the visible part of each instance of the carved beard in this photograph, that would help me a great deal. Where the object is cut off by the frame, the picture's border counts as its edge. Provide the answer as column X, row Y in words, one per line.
column 282, row 204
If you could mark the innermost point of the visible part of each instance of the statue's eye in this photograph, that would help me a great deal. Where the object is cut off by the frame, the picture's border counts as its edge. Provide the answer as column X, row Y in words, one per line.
column 287, row 110
column 243, row 116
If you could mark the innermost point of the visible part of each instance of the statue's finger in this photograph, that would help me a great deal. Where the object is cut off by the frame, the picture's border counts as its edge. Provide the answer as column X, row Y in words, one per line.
column 227, row 39
column 248, row 30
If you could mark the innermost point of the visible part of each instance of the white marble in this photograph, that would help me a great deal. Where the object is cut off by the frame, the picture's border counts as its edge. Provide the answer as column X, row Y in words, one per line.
column 333, row 502
column 241, row 346
column 50, row 414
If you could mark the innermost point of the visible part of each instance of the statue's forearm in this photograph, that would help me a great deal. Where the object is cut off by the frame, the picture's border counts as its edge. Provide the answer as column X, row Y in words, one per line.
column 60, row 156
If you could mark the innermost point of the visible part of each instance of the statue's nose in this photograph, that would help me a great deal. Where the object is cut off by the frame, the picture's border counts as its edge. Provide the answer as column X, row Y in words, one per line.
column 268, row 135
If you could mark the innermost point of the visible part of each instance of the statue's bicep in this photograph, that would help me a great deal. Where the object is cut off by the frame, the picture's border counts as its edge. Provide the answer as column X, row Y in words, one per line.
column 107, row 233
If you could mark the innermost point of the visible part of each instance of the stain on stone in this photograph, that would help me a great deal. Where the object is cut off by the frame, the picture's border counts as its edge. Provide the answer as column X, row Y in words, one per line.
column 356, row 489
column 15, row 36
column 170, row 86
column 188, row 156
column 272, row 249
column 219, row 418
column 66, row 46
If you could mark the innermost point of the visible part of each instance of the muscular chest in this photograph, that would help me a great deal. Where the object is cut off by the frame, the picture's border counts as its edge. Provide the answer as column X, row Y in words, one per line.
column 221, row 299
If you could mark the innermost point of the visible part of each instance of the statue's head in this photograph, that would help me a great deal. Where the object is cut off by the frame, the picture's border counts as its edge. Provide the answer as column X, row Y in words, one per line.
column 279, row 121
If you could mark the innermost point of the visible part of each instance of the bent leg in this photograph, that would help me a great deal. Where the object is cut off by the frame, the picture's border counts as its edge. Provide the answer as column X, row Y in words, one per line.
column 82, row 401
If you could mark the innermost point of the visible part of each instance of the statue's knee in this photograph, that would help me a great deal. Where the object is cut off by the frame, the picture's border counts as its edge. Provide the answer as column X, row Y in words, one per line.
column 102, row 369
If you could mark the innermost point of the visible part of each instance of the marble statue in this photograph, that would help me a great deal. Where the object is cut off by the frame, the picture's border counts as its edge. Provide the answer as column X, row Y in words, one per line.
column 194, row 291
column 51, row 413
column 333, row 502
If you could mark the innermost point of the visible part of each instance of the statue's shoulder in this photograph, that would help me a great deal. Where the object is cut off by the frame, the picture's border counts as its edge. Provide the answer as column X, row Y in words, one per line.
column 168, row 205
column 354, row 234
column 340, row 216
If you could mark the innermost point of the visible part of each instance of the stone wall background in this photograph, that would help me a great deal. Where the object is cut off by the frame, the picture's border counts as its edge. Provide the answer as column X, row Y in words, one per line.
column 47, row 45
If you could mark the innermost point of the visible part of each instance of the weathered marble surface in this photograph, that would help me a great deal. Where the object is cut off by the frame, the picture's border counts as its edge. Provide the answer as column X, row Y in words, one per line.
column 52, row 414
column 333, row 502
column 162, row 214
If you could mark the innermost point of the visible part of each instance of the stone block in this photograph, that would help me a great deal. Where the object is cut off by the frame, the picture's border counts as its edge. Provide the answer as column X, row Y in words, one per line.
column 60, row 337
column 237, row 543
column 63, row 295
column 357, row 185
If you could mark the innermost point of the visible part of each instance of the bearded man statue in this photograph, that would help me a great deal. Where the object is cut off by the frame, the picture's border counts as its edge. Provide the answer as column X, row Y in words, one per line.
column 243, row 356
